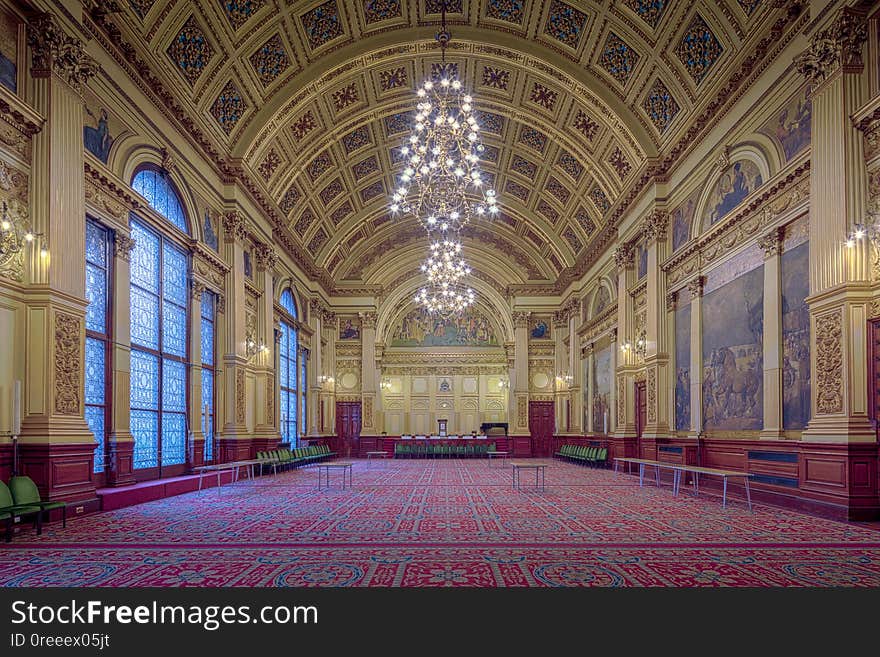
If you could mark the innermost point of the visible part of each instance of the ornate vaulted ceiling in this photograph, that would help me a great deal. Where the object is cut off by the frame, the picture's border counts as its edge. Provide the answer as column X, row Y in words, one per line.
column 311, row 99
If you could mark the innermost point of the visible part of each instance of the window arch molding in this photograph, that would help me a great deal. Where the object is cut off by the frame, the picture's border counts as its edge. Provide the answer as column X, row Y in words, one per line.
column 143, row 157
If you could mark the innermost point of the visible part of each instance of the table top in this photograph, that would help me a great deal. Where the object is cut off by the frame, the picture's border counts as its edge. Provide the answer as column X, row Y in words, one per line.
column 714, row 471
column 497, row 452
column 335, row 464
column 378, row 452
column 527, row 464
column 646, row 462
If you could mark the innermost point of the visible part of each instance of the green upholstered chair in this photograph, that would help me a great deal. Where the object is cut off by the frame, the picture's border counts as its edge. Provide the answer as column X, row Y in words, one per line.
column 10, row 511
column 26, row 493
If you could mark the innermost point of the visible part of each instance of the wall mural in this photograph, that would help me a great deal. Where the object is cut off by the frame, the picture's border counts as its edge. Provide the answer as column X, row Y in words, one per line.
column 791, row 126
column 417, row 329
column 603, row 298
column 602, row 379
column 733, row 327
column 682, row 220
column 100, row 127
column 642, row 252
column 540, row 329
column 795, row 337
column 683, row 367
column 349, row 328
column 8, row 51
column 740, row 180
column 210, row 233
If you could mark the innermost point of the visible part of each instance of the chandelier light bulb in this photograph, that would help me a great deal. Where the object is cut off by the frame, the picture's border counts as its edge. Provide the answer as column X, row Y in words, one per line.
column 5, row 225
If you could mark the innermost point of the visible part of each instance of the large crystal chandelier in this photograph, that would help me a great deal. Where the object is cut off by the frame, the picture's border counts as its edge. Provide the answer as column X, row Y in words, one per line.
column 444, row 263
column 445, row 299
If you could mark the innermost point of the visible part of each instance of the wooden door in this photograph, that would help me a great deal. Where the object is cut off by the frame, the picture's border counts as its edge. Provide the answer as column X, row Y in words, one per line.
column 348, row 427
column 641, row 412
column 542, row 422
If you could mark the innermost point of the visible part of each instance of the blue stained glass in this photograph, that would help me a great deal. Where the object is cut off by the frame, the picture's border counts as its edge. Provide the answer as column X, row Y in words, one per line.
column 161, row 196
column 95, row 420
column 95, row 371
column 173, row 438
column 207, row 343
column 145, row 258
column 145, row 429
column 144, row 318
column 96, row 245
column 174, row 275
column 174, row 329
column 287, row 302
column 282, row 373
column 208, row 420
column 144, row 380
column 173, row 386
column 207, row 306
column 96, row 293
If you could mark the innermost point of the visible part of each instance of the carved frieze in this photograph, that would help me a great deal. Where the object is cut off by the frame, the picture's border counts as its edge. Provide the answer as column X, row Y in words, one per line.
column 240, row 392
column 68, row 364
column 829, row 363
column 270, row 399
column 621, row 400
column 651, row 394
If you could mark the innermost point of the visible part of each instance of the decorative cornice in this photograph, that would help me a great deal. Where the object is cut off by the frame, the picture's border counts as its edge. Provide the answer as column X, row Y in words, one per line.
column 122, row 246
column 53, row 50
column 19, row 114
column 107, row 192
column 836, row 48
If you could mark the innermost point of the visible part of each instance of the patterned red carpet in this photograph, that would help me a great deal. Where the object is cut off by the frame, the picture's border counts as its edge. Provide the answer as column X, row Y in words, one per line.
column 445, row 523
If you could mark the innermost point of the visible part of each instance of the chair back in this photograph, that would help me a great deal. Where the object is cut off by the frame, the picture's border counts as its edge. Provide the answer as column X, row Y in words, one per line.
column 5, row 496
column 24, row 490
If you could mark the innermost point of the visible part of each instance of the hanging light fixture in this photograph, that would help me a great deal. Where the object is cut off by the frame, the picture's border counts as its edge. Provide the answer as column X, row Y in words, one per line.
column 445, row 299
column 445, row 263
column 441, row 184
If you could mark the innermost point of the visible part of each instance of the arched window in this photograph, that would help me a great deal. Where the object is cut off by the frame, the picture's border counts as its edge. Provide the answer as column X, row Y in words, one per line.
column 288, row 372
column 97, row 408
column 154, row 186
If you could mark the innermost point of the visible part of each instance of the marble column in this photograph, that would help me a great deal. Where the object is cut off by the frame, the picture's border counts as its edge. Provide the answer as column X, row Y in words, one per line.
column 695, row 289
column 624, row 391
column 771, row 244
column 195, row 441
column 315, row 367
column 575, row 368
column 520, row 385
column 369, row 374
column 56, row 447
column 235, row 442
column 266, row 434
column 328, row 388
column 588, row 386
column 561, row 385
column 657, row 373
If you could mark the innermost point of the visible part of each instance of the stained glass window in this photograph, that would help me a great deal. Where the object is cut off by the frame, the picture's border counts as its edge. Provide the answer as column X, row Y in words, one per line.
column 159, row 293
column 287, row 372
column 154, row 186
column 97, row 336
column 207, row 313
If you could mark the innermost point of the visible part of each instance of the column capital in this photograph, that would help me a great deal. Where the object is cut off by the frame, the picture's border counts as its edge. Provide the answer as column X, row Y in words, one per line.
column 196, row 290
column 613, row 334
column 123, row 246
column 368, row 320
column 53, row 50
column 221, row 303
column 560, row 318
column 671, row 300
column 329, row 317
column 655, row 226
column 837, row 47
column 587, row 350
column 235, row 227
column 266, row 257
column 695, row 286
column 771, row 243
column 624, row 257
column 521, row 319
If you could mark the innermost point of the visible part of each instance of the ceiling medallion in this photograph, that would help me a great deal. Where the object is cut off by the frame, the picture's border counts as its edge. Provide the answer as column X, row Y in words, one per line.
column 441, row 184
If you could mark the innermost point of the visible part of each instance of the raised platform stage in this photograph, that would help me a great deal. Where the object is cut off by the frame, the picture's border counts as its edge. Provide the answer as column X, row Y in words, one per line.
column 156, row 489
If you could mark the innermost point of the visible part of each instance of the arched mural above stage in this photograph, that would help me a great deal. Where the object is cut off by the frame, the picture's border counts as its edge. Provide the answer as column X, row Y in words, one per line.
column 732, row 187
column 418, row 329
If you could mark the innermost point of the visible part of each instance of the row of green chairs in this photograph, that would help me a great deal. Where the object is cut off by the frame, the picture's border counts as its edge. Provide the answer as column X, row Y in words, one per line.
column 423, row 449
column 593, row 456
column 21, row 499
column 295, row 457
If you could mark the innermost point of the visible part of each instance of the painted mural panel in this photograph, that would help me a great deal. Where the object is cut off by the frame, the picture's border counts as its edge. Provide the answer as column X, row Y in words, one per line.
column 350, row 328
column 642, row 252
column 100, row 127
column 418, row 329
column 540, row 328
column 602, row 380
column 8, row 51
column 740, row 180
column 683, row 367
column 210, row 232
column 603, row 298
column 733, row 325
column 795, row 337
column 682, row 220
column 790, row 127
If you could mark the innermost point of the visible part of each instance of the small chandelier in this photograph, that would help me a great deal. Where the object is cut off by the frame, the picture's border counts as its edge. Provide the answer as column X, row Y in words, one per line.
column 445, row 263
column 445, row 299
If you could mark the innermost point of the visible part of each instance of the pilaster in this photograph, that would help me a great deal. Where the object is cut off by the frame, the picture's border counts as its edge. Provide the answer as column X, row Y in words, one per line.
column 771, row 244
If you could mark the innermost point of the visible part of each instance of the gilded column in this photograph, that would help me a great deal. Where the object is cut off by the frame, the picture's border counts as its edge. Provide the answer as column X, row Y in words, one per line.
column 328, row 387
column 839, row 274
column 55, row 440
column 575, row 369
column 315, row 367
column 520, row 382
column 561, row 384
column 695, row 288
column 120, row 448
column 587, row 356
column 624, row 391
column 369, row 375
column 266, row 434
column 195, row 441
column 657, row 374
column 235, row 441
column 771, row 244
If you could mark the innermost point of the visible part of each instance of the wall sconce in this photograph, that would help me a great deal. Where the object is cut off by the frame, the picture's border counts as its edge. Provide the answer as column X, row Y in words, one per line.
column 15, row 234
column 869, row 230
column 252, row 348
column 385, row 384
column 503, row 384
column 639, row 348
column 564, row 379
column 325, row 379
